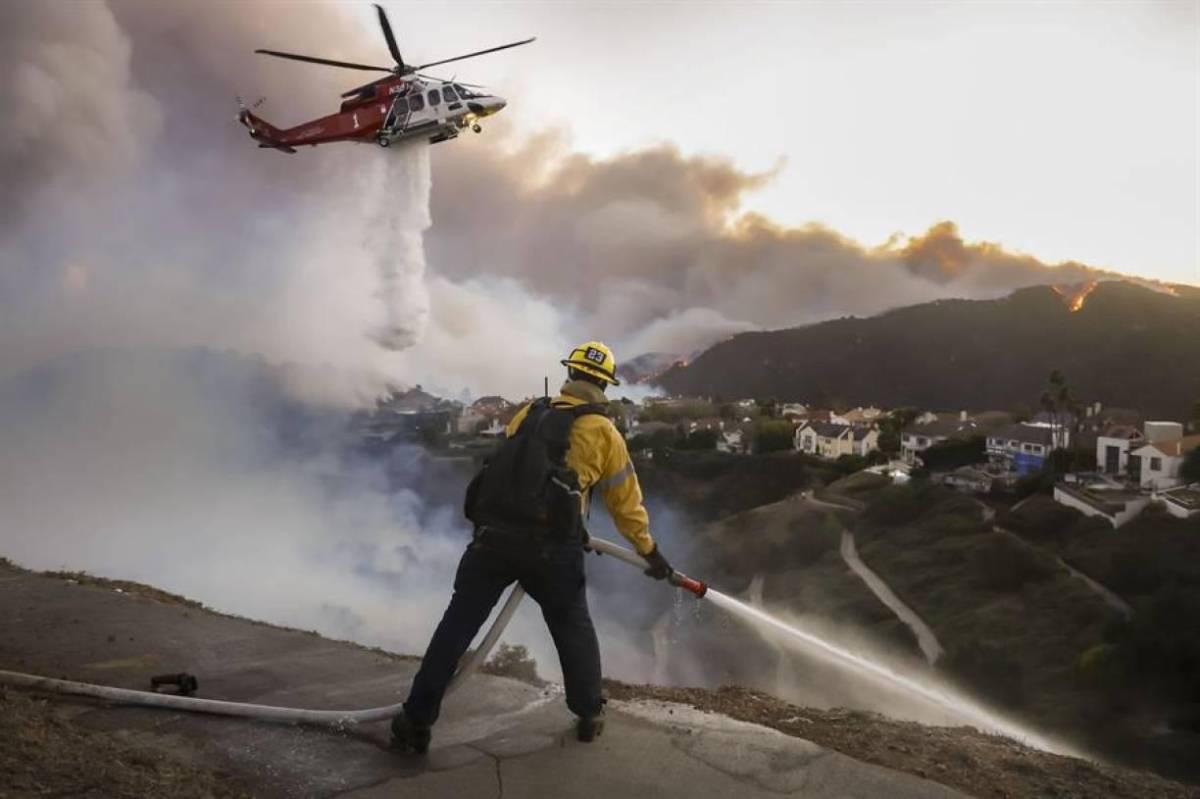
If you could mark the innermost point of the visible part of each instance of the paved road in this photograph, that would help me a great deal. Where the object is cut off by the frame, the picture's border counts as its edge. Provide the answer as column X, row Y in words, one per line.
column 498, row 737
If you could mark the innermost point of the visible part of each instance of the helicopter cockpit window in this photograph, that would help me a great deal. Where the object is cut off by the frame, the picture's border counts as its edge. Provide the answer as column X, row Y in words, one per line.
column 416, row 102
column 434, row 97
column 448, row 93
column 464, row 92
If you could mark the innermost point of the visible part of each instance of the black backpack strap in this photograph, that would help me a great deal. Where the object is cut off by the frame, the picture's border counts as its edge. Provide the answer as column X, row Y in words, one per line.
column 589, row 408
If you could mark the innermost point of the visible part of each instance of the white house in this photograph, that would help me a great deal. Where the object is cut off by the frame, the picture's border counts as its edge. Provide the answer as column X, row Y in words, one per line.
column 1161, row 460
column 919, row 437
column 969, row 480
column 828, row 440
column 858, row 415
column 1113, row 448
column 1113, row 505
column 495, row 429
column 793, row 410
column 1182, row 503
column 469, row 419
column 731, row 441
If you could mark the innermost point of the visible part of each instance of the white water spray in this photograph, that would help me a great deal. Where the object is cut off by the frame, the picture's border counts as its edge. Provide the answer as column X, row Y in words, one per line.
column 396, row 235
column 959, row 706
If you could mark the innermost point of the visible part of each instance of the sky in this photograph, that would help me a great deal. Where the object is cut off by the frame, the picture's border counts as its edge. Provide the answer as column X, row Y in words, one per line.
column 1068, row 131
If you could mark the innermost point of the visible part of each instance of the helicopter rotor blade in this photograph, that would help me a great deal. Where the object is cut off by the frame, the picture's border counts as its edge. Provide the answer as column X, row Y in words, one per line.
column 479, row 52
column 326, row 61
column 391, row 40
column 454, row 80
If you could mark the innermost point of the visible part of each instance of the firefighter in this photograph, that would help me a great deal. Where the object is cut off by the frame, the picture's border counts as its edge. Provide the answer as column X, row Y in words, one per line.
column 528, row 505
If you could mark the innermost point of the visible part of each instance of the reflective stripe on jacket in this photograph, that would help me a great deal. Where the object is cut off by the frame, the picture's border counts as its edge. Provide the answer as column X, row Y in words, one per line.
column 600, row 459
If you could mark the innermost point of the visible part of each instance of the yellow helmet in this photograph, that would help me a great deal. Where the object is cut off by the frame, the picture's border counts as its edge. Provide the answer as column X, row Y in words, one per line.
column 595, row 358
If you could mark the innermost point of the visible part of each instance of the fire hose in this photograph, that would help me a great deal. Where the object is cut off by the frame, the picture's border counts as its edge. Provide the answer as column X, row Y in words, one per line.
column 328, row 718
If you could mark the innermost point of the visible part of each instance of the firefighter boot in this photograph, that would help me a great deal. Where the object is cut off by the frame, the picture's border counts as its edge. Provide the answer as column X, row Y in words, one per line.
column 589, row 728
column 409, row 737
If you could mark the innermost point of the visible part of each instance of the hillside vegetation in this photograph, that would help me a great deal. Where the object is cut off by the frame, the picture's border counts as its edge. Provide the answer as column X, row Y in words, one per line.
column 1026, row 635
column 1127, row 346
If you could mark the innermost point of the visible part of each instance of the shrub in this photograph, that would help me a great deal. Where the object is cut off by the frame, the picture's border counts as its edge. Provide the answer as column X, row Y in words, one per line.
column 849, row 464
column 513, row 660
column 1041, row 519
column 896, row 505
column 699, row 440
column 1190, row 470
column 772, row 436
column 948, row 455
column 1005, row 565
column 987, row 670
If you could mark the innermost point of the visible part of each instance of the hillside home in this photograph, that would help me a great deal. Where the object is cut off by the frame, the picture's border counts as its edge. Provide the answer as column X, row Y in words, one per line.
column 917, row 438
column 1182, row 503
column 796, row 411
column 494, row 429
column 1161, row 459
column 1101, row 499
column 706, row 423
column 1023, row 448
column 969, row 480
column 731, row 441
column 1060, row 425
column 470, row 420
column 1114, row 446
column 856, row 416
column 828, row 440
column 491, row 405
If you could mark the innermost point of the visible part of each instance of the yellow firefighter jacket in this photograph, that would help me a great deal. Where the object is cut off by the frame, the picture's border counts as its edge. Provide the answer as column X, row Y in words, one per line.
column 599, row 456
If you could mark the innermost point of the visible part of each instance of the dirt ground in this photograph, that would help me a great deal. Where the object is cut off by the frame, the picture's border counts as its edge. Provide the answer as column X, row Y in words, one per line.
column 985, row 766
column 44, row 754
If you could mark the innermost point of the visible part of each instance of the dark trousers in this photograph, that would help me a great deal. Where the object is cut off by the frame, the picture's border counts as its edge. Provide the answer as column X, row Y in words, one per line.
column 554, row 577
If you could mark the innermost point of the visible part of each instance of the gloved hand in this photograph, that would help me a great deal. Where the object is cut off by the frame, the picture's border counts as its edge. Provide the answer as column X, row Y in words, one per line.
column 659, row 568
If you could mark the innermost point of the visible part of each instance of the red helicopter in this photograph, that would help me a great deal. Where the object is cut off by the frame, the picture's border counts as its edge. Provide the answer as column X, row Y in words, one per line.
column 404, row 105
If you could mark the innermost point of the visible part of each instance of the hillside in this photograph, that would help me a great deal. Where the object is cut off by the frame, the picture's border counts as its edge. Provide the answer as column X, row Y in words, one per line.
column 1126, row 346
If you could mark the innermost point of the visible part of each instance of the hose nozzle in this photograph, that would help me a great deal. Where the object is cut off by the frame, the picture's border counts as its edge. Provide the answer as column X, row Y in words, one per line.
column 688, row 584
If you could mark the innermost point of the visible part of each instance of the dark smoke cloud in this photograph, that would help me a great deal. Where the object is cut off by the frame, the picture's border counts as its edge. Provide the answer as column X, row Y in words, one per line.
column 650, row 247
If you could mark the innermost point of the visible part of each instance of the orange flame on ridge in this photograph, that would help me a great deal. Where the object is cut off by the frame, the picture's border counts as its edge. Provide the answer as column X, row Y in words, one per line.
column 1075, row 296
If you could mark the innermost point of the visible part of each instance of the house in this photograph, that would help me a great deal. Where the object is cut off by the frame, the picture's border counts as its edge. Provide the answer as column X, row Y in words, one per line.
column 917, row 438
column 1060, row 423
column 797, row 411
column 732, row 441
column 969, row 480
column 829, row 440
column 492, row 405
column 470, row 420
column 856, row 416
column 1161, row 459
column 1183, row 503
column 1022, row 448
column 1114, row 446
column 1099, row 498
column 494, row 429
